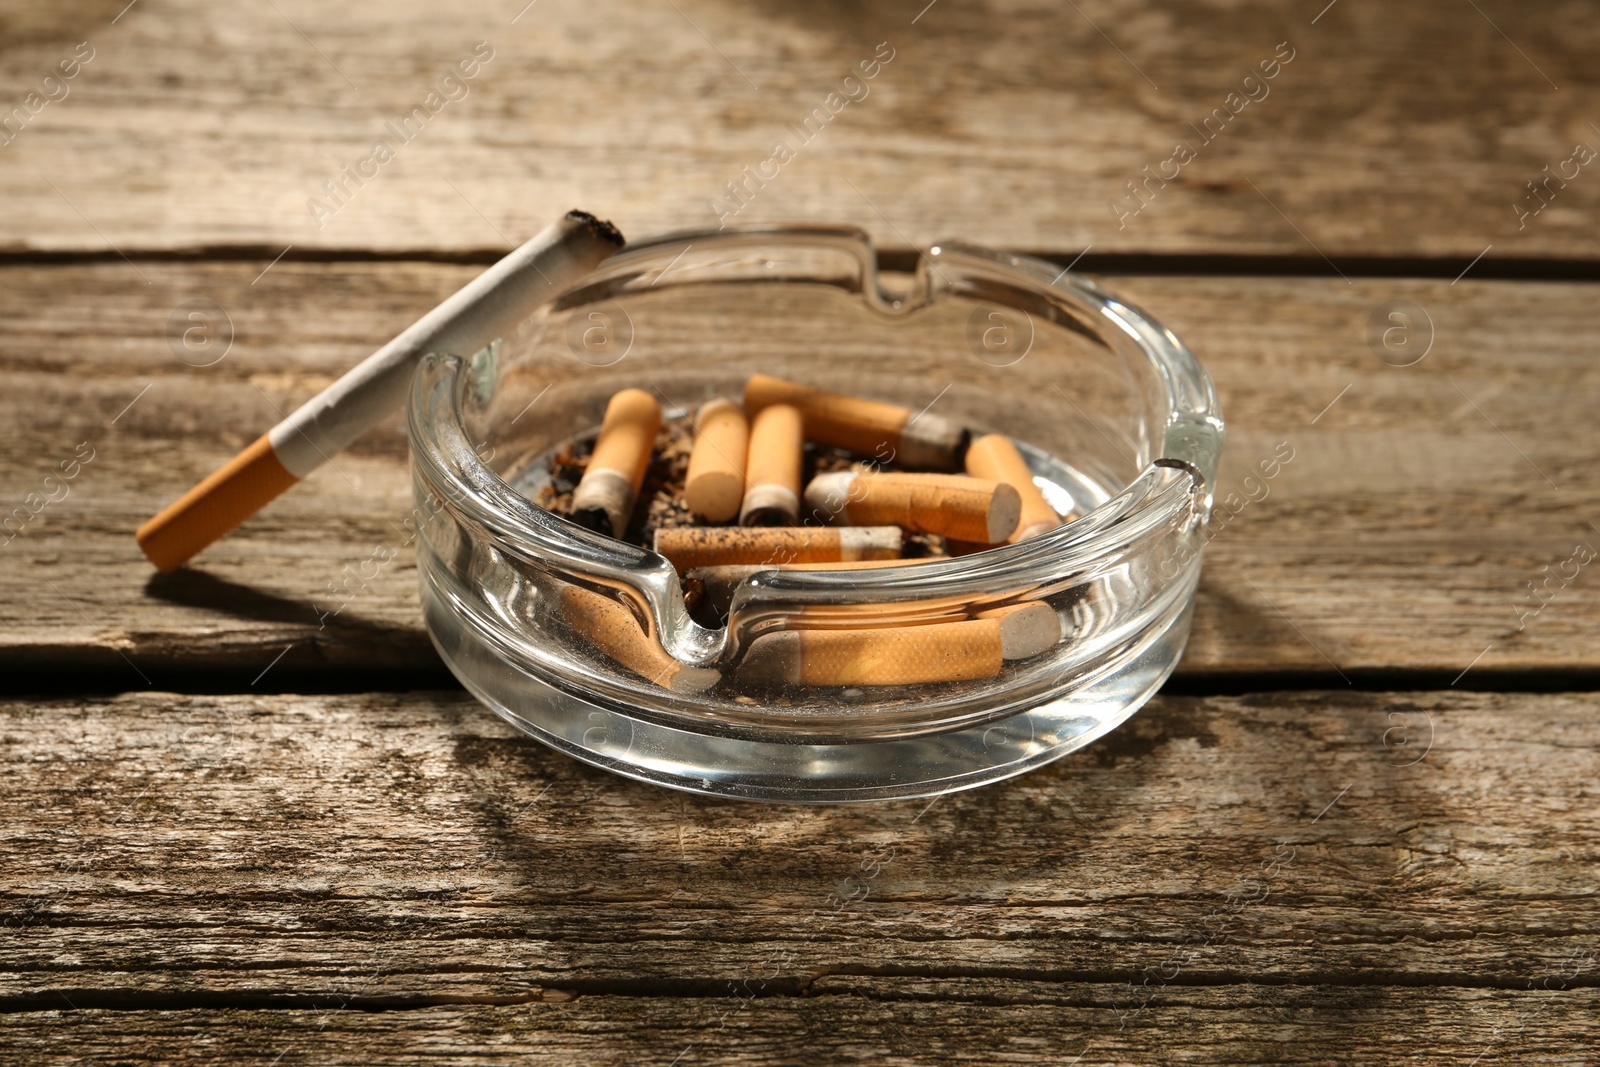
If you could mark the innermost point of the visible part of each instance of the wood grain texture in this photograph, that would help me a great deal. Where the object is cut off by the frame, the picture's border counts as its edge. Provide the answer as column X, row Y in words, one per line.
column 1302, row 877
column 169, row 851
column 1407, row 130
column 1420, row 503
column 895, row 1024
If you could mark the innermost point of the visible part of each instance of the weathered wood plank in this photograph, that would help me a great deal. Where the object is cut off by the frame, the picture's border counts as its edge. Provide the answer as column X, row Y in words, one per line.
column 871, row 1022
column 1420, row 504
column 1407, row 130
column 398, row 849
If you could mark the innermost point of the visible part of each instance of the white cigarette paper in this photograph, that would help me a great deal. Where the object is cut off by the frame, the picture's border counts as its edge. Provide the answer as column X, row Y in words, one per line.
column 487, row 307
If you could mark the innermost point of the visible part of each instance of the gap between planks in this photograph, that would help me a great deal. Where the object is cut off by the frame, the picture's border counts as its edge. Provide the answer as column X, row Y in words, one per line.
column 1161, row 264
column 1114, row 983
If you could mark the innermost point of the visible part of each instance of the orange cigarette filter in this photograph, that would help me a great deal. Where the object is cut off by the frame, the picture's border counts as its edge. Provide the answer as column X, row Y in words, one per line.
column 714, row 485
column 885, row 432
column 903, row 655
column 689, row 547
column 604, row 498
column 952, row 505
column 614, row 630
column 772, row 468
column 995, row 457
column 227, row 497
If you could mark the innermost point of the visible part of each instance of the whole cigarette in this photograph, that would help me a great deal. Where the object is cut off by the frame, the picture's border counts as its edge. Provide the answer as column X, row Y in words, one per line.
column 954, row 505
column 605, row 495
column 995, row 457
column 615, row 631
column 485, row 308
column 904, row 655
column 866, row 427
column 688, row 547
column 772, row 468
column 714, row 485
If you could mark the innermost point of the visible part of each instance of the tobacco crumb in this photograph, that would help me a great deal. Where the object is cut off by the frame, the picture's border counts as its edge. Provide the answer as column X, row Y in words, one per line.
column 661, row 497
column 566, row 470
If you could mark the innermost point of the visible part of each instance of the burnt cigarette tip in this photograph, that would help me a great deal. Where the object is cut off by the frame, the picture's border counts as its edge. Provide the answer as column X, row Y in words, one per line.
column 963, row 442
column 767, row 517
column 601, row 227
column 930, row 442
column 769, row 505
column 595, row 519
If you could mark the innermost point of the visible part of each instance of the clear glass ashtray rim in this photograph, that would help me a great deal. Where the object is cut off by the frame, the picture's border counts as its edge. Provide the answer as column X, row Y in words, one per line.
column 444, row 452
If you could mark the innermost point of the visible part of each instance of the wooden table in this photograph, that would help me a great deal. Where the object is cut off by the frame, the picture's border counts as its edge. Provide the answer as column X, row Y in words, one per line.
column 1358, row 826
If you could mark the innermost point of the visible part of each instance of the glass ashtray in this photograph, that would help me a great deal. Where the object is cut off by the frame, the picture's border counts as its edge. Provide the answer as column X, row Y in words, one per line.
column 1116, row 420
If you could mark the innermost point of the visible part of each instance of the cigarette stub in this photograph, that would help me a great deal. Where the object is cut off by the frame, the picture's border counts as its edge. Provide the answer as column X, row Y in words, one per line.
column 614, row 630
column 487, row 307
column 885, row 432
column 995, row 457
column 689, row 547
column 605, row 496
column 953, row 505
column 714, row 485
column 772, row 468
column 901, row 655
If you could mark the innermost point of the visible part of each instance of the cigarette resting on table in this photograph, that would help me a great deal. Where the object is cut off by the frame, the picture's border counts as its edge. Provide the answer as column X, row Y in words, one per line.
column 618, row 634
column 883, row 432
column 906, row 655
column 605, row 495
column 714, row 484
column 487, row 307
column 688, row 547
column 953, row 505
